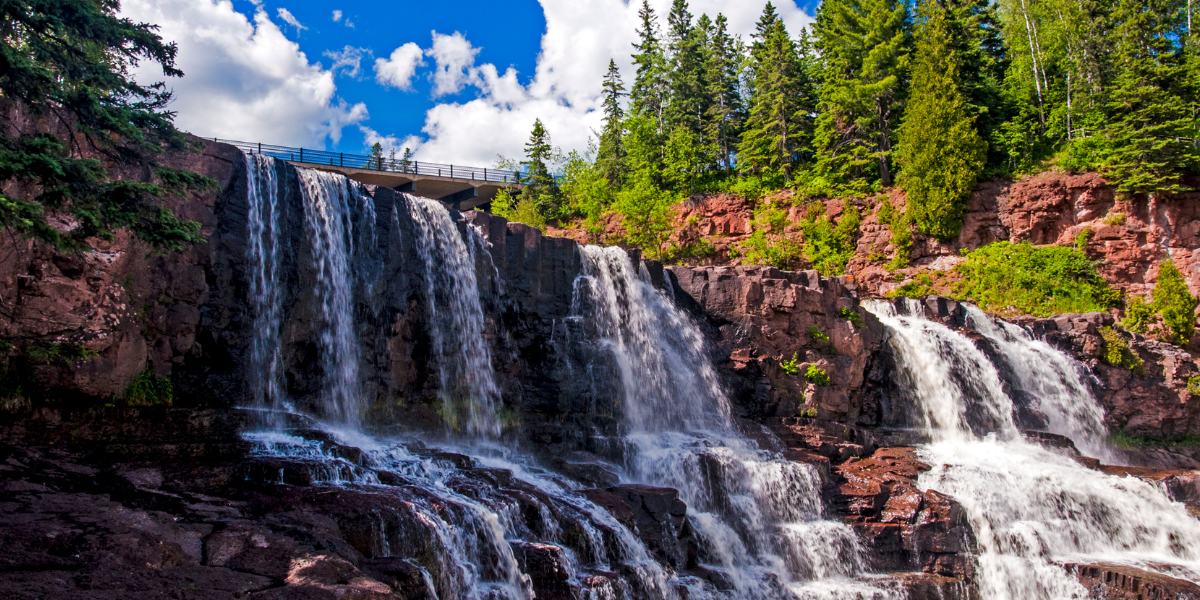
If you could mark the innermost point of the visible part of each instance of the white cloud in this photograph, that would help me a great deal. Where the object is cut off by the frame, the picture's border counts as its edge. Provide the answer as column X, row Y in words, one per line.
column 455, row 63
column 244, row 80
column 388, row 142
column 337, row 16
column 349, row 24
column 579, row 40
column 347, row 60
column 397, row 70
column 290, row 19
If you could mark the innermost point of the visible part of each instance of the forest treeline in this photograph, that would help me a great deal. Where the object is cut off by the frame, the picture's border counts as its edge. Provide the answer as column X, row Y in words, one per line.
column 932, row 96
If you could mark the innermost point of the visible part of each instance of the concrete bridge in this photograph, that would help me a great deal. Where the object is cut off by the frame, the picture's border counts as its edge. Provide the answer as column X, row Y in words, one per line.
column 460, row 187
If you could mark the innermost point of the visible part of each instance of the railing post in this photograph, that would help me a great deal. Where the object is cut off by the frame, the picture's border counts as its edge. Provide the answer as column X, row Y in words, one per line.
column 342, row 159
column 485, row 173
column 451, row 171
column 260, row 147
column 302, row 155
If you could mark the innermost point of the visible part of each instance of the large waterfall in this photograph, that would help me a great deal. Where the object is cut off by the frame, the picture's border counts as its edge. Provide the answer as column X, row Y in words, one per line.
column 759, row 517
column 1032, row 508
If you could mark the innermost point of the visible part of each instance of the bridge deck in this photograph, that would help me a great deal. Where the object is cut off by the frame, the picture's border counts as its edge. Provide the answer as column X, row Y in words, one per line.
column 460, row 187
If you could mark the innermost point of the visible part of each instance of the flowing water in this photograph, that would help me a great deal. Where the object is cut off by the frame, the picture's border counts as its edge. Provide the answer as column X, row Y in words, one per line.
column 758, row 516
column 459, row 519
column 1032, row 508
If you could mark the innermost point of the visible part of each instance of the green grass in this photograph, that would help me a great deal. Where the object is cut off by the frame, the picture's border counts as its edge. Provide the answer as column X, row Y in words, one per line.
column 148, row 389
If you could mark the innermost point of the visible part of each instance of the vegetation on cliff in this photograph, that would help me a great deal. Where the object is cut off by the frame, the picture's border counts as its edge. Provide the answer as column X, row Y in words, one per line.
column 930, row 96
column 69, row 60
column 1171, row 313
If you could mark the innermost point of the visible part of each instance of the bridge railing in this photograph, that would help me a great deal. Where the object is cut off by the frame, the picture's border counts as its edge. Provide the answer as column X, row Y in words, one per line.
column 383, row 163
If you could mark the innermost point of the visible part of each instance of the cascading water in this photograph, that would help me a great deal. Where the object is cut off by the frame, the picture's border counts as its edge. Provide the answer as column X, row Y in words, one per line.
column 266, row 370
column 1032, row 508
column 758, row 516
column 468, row 386
column 451, row 518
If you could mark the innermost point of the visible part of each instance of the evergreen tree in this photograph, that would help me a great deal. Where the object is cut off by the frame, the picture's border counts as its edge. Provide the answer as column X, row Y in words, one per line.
column 864, row 46
column 688, row 102
column 722, row 67
column 66, row 63
column 1174, row 303
column 1145, row 147
column 940, row 150
column 649, row 93
column 610, row 157
column 540, row 188
column 774, row 129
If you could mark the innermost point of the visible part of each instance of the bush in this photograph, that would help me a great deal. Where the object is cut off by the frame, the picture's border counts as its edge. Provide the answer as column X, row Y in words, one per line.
column 1139, row 315
column 902, row 239
column 1114, row 219
column 518, row 209
column 1174, row 304
column 1008, row 278
column 1117, row 352
column 826, row 246
column 767, row 243
column 1082, row 238
column 851, row 315
column 150, row 390
column 816, row 375
column 789, row 366
column 817, row 335
column 1193, row 385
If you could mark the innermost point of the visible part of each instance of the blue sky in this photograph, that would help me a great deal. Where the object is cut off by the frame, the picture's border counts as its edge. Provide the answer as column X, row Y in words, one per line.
column 457, row 81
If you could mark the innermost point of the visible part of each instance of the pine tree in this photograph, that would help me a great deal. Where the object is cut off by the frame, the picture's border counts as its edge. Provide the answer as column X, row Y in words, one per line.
column 773, row 132
column 722, row 66
column 540, row 188
column 940, row 150
column 1174, row 303
column 864, row 45
column 688, row 102
column 1145, row 147
column 610, row 157
column 649, row 93
column 66, row 66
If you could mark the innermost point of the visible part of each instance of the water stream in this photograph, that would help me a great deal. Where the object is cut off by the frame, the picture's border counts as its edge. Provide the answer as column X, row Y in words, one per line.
column 1032, row 508
column 757, row 515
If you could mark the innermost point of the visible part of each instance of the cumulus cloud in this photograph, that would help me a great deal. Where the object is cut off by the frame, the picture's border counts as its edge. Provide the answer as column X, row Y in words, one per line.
column 564, row 93
column 454, row 59
column 388, row 142
column 337, row 16
column 347, row 60
column 397, row 70
column 291, row 19
column 244, row 79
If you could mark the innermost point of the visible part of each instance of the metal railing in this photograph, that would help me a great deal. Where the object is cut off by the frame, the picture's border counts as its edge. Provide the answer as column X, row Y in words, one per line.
column 373, row 163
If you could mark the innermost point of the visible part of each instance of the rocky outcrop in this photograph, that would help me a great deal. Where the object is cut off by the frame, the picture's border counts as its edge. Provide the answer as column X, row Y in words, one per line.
column 1123, row 582
column 763, row 319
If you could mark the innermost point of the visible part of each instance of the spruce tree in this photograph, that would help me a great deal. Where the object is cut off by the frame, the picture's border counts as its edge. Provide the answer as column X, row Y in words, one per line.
column 540, row 188
column 864, row 46
column 66, row 64
column 773, row 132
column 1174, row 303
column 722, row 66
column 687, row 101
column 648, row 96
column 1145, row 147
column 610, row 156
column 941, row 152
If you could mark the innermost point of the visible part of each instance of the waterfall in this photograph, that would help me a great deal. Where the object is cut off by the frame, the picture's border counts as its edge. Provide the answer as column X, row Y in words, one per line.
column 1032, row 508
column 327, row 201
column 759, row 517
column 469, row 395
column 266, row 364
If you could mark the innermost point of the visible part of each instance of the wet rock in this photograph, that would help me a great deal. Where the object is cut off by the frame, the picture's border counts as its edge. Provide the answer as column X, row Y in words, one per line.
column 546, row 565
column 1122, row 582
column 656, row 515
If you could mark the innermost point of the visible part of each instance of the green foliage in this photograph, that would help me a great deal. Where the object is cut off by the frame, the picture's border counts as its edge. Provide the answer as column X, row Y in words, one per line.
column 940, row 151
column 61, row 353
column 1123, row 440
column 184, row 181
column 816, row 375
column 811, row 412
column 816, row 335
column 518, row 209
column 148, row 389
column 886, row 213
column 767, row 243
column 1082, row 238
column 1114, row 219
column 69, row 63
column 645, row 211
column 850, row 315
column 1117, row 352
column 1193, row 385
column 1139, row 315
column 541, row 190
column 1006, row 278
column 779, row 120
column 610, row 157
column 827, row 247
column 902, row 239
column 919, row 286
column 1174, row 304
column 789, row 366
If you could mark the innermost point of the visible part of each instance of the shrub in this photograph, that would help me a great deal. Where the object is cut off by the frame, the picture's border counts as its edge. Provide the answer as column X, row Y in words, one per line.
column 902, row 239
column 1139, row 315
column 148, row 389
column 816, row 375
column 1117, row 352
column 1007, row 278
column 1193, row 385
column 1175, row 304
column 61, row 354
column 518, row 209
column 1082, row 238
column 826, row 246
column 919, row 286
column 789, row 366
column 767, row 243
column 851, row 315
column 1114, row 218
column 810, row 412
column 817, row 335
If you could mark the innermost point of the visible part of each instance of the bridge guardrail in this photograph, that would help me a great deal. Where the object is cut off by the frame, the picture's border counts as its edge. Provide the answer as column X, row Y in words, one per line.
column 372, row 163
